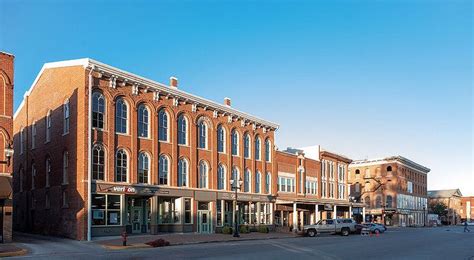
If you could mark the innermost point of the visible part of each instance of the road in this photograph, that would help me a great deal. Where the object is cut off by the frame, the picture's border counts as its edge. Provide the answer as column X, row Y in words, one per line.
column 407, row 243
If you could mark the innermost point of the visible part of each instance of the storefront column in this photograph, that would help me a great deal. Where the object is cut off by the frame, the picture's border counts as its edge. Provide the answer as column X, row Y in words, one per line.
column 363, row 214
column 335, row 212
column 154, row 214
column 259, row 219
column 350, row 211
column 295, row 218
column 316, row 211
column 272, row 215
column 281, row 218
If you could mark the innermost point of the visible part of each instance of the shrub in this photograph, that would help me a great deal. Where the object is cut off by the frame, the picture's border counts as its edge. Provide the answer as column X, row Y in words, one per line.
column 244, row 229
column 227, row 230
column 158, row 243
column 263, row 229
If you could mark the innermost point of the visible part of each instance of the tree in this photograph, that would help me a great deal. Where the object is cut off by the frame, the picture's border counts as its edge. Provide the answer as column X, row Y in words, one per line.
column 438, row 208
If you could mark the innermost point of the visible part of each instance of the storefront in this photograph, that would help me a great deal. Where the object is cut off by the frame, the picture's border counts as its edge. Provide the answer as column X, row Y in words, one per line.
column 5, row 209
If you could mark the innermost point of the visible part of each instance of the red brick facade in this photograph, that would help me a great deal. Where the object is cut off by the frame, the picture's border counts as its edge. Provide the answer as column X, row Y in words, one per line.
column 6, row 137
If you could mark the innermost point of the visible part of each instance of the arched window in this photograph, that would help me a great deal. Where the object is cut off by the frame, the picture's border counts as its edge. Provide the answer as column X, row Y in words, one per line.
column 49, row 124
column 235, row 177
column 357, row 171
column 202, row 132
column 182, row 130
column 162, row 125
column 367, row 202
column 247, row 146
column 121, row 166
column 221, row 177
column 121, row 116
column 48, row 172
column 247, row 180
column 257, row 148
column 163, row 170
column 66, row 115
column 389, row 168
column 143, row 167
column 389, row 201
column 98, row 110
column 98, row 163
column 268, row 151
column 378, row 202
column 65, row 168
column 182, row 173
column 235, row 143
column 203, row 175
column 268, row 183
column 258, row 178
column 221, row 139
column 143, row 121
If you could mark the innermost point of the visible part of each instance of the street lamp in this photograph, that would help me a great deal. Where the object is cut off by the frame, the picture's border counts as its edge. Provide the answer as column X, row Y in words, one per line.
column 236, row 186
column 8, row 154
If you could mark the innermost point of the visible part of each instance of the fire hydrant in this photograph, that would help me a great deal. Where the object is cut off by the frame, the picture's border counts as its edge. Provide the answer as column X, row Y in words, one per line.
column 124, row 238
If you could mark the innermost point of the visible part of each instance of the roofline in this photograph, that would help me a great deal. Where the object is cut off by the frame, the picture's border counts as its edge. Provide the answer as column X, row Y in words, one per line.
column 398, row 158
column 104, row 68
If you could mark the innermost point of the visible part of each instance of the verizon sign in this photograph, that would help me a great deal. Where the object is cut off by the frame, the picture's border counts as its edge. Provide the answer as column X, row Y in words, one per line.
column 124, row 189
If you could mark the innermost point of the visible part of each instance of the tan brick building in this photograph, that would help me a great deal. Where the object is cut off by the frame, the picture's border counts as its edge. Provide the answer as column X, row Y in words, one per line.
column 6, row 140
column 393, row 189
column 160, row 159
column 452, row 199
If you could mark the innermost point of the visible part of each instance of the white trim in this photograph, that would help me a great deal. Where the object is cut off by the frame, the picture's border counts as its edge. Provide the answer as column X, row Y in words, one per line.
column 286, row 174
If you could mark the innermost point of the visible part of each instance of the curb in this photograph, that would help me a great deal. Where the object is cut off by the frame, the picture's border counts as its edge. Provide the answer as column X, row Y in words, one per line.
column 143, row 245
column 14, row 253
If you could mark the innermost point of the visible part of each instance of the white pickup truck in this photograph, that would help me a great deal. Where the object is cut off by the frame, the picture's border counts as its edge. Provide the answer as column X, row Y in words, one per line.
column 343, row 226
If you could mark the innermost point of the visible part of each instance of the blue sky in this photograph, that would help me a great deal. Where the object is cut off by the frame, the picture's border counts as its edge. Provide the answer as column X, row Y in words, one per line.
column 362, row 78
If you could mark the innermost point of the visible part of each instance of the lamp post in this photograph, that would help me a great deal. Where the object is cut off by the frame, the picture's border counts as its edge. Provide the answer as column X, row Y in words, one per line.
column 8, row 154
column 236, row 186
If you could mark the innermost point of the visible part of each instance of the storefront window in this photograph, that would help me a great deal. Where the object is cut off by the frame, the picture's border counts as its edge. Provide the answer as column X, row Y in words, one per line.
column 106, row 210
column 169, row 210
column 187, row 211
column 219, row 213
column 229, row 209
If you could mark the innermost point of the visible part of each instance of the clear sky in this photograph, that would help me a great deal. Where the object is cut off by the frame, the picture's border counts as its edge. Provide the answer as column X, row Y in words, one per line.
column 362, row 78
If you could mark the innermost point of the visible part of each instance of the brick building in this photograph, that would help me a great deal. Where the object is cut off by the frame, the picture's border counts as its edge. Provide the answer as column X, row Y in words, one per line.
column 312, row 185
column 160, row 159
column 6, row 134
column 452, row 199
column 393, row 189
column 467, row 209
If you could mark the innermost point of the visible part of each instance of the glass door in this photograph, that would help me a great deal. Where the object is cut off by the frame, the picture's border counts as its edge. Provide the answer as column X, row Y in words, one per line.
column 136, row 211
column 204, row 221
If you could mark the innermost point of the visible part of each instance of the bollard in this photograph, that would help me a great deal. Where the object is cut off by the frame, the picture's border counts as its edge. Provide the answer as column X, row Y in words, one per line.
column 124, row 238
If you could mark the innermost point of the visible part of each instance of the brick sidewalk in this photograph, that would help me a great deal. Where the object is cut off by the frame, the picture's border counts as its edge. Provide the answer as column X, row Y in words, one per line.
column 186, row 238
column 11, row 249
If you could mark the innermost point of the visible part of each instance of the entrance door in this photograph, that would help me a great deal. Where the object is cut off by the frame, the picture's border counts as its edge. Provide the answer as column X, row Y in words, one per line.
column 136, row 211
column 204, row 221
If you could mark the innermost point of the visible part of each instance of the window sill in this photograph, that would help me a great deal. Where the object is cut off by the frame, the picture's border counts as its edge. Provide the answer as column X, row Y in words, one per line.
column 64, row 183
column 144, row 138
column 164, row 142
column 122, row 134
column 99, row 129
column 64, row 134
column 204, row 149
column 184, row 145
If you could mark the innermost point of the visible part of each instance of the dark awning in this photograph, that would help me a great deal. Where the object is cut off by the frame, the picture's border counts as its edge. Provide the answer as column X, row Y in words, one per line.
column 5, row 186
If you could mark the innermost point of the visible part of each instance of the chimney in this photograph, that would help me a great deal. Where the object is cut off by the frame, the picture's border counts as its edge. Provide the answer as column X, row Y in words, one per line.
column 227, row 101
column 173, row 82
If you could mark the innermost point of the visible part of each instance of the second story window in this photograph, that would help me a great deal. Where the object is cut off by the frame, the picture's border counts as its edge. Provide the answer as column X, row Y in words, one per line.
column 143, row 121
column 221, row 177
column 65, row 167
column 258, row 178
column 247, row 181
column 221, row 139
column 121, row 166
column 203, row 175
column 66, row 115
column 163, row 167
column 22, row 140
column 121, row 116
column 268, row 182
column 247, row 146
column 33, row 135
column 143, row 168
column 182, row 173
column 182, row 130
column 48, row 172
column 33, row 176
column 162, row 125
column 202, row 132
column 98, row 110
column 48, row 127
column 98, row 163
column 235, row 143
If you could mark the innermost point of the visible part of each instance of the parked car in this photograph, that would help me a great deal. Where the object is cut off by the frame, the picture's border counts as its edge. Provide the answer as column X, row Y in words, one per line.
column 343, row 226
column 375, row 227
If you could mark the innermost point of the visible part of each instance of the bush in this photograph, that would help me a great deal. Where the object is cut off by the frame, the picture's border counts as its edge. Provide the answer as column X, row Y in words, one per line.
column 244, row 229
column 227, row 230
column 263, row 229
column 158, row 243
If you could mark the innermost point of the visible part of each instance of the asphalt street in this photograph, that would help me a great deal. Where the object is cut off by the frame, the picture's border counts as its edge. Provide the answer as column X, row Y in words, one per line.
column 406, row 243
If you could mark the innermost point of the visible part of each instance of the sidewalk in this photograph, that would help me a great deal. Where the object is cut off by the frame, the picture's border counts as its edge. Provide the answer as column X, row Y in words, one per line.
column 186, row 239
column 10, row 249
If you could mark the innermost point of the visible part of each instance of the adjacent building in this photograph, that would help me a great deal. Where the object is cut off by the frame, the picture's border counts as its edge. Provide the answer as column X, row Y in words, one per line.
column 6, row 140
column 467, row 209
column 452, row 199
column 393, row 189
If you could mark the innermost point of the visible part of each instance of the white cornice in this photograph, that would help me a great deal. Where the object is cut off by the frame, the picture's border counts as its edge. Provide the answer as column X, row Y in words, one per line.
column 397, row 159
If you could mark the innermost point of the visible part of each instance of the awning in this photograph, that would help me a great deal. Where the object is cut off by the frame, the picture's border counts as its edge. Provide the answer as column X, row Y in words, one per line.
column 5, row 186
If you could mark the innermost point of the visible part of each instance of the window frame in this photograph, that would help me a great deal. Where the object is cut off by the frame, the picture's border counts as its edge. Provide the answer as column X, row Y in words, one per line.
column 126, row 167
column 163, row 158
column 141, row 168
column 143, row 121
column 98, row 116
column 163, row 127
